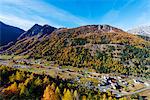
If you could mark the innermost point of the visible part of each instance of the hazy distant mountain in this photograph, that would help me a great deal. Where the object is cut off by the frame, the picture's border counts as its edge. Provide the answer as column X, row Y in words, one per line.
column 143, row 30
column 9, row 33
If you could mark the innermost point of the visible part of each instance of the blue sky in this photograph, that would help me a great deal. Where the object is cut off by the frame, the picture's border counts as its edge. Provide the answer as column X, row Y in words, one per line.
column 124, row 14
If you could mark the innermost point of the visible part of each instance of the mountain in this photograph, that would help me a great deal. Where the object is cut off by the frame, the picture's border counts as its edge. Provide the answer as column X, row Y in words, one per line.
column 102, row 47
column 31, row 32
column 37, row 30
column 143, row 30
column 9, row 33
column 29, row 39
column 147, row 38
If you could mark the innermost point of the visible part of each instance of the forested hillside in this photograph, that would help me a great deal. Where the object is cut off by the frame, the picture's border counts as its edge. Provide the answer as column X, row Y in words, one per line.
column 102, row 47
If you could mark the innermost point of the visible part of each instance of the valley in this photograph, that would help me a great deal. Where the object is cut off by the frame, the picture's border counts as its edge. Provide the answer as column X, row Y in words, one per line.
column 89, row 62
column 119, row 85
column 74, row 49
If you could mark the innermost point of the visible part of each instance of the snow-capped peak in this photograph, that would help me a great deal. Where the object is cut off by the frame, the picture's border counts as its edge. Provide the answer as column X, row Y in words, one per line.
column 143, row 30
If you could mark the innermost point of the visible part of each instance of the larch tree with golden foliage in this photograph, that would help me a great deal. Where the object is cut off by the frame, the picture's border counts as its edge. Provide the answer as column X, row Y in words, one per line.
column 104, row 97
column 49, row 94
column 12, row 78
column 23, row 89
column 67, row 95
column 58, row 93
column 76, row 96
column 46, row 80
column 53, row 86
column 11, row 89
column 83, row 97
column 38, row 82
column 19, row 76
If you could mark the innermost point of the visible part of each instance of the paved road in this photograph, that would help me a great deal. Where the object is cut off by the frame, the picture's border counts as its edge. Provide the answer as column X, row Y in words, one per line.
column 129, row 93
column 147, row 88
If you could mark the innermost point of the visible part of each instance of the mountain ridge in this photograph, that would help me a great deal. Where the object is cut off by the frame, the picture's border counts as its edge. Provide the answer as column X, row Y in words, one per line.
column 37, row 30
column 9, row 33
column 102, row 47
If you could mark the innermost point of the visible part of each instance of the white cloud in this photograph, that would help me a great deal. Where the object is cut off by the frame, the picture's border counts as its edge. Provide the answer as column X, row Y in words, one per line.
column 25, row 13
column 30, row 11
column 16, row 21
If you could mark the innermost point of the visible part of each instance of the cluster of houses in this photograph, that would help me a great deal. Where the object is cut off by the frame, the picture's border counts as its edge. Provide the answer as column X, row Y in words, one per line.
column 106, row 82
column 141, row 82
column 113, row 83
column 110, row 81
column 20, row 66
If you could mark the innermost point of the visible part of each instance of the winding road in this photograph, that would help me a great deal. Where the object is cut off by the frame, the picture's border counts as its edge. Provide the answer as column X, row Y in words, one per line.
column 129, row 93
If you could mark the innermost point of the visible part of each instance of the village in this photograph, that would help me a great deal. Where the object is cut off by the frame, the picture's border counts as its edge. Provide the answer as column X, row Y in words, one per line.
column 118, row 85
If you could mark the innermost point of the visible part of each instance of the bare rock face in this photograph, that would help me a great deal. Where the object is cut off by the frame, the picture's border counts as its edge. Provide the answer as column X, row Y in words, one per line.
column 99, row 28
column 108, row 28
